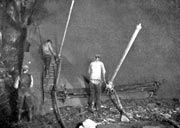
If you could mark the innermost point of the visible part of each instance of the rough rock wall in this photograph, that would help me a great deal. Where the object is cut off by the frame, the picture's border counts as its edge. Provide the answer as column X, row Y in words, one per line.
column 105, row 27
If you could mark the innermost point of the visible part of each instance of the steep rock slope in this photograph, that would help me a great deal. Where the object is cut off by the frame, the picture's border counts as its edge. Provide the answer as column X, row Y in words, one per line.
column 105, row 27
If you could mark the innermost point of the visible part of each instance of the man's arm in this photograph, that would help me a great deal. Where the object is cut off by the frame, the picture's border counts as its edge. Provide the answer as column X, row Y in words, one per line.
column 103, row 71
column 16, row 84
column 51, row 49
column 32, row 82
column 89, row 70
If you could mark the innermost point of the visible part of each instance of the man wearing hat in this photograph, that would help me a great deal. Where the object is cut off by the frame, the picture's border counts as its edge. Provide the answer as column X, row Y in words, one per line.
column 97, row 73
column 24, row 83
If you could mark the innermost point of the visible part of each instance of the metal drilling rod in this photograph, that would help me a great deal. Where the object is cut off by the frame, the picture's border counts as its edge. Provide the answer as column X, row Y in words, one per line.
column 62, row 43
column 138, row 28
column 67, row 23
column 58, row 72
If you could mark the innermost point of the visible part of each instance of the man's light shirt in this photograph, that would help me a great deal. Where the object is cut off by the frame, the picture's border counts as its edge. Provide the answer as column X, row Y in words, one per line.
column 96, row 69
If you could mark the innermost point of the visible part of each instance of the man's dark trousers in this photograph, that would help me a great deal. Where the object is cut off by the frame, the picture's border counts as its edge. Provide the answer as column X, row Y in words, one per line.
column 47, row 62
column 95, row 95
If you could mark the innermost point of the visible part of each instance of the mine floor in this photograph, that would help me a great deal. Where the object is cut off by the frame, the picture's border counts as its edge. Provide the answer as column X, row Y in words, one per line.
column 144, row 113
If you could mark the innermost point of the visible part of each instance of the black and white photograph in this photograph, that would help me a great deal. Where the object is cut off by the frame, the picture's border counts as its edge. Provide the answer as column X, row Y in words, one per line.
column 89, row 63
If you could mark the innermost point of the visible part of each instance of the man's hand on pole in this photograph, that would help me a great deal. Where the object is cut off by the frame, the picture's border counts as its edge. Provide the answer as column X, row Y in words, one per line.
column 104, row 80
column 57, row 58
column 109, row 85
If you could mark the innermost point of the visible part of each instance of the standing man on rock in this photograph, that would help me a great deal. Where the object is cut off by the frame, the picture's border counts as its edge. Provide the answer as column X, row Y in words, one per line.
column 97, row 73
column 47, row 54
column 24, row 83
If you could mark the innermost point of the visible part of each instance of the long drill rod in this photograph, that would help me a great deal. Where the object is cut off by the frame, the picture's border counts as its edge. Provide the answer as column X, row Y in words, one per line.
column 138, row 28
column 58, row 72
column 67, row 24
column 62, row 43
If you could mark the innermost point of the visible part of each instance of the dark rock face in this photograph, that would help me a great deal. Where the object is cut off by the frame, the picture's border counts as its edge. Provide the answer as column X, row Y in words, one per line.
column 106, row 27
column 5, row 109
column 15, row 18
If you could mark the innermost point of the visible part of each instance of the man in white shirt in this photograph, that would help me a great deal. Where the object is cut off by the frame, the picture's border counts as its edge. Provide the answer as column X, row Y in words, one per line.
column 97, row 73
column 24, row 83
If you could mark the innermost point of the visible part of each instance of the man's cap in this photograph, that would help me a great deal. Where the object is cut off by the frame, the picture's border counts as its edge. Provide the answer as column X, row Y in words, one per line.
column 48, row 40
column 97, row 55
column 25, row 67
